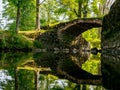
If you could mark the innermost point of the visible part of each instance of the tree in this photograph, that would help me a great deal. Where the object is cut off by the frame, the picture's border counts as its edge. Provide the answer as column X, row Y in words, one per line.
column 27, row 19
column 79, row 8
column 38, row 3
column 37, row 27
column 82, row 8
column 18, row 16
column 17, row 4
column 76, row 8
column 101, row 7
column 50, row 12
column 26, row 12
column 70, row 7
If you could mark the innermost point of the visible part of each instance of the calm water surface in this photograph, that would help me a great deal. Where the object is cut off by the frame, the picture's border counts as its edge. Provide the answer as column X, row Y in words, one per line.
column 58, row 71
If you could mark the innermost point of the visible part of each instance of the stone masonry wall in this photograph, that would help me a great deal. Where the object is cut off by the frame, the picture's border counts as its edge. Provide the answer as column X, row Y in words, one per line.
column 111, row 28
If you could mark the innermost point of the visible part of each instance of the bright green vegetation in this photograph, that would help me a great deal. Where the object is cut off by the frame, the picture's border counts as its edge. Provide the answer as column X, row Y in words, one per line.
column 23, row 16
column 12, row 41
column 26, row 80
column 93, row 37
column 20, row 34
column 93, row 65
column 51, row 11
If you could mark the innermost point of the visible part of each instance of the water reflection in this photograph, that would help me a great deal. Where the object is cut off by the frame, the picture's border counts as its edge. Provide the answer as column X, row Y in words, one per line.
column 44, row 71
column 68, row 66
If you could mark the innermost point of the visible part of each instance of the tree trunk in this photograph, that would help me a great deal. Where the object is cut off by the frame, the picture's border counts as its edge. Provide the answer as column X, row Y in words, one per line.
column 79, row 9
column 85, row 10
column 37, row 26
column 37, row 76
column 17, row 17
column 48, row 14
column 16, row 79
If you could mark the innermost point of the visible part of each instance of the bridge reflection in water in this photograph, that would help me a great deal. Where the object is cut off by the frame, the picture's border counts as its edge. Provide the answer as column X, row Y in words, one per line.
column 63, row 65
column 79, row 68
column 68, row 66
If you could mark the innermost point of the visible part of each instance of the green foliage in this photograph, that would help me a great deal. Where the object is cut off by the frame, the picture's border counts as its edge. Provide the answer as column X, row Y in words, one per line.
column 14, row 41
column 92, row 65
column 69, row 6
column 51, row 11
column 79, row 1
column 96, row 7
column 101, row 7
column 26, row 80
column 27, row 21
column 92, row 36
column 27, row 18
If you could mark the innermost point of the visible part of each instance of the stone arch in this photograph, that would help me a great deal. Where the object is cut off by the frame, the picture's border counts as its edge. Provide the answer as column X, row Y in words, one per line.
column 72, row 30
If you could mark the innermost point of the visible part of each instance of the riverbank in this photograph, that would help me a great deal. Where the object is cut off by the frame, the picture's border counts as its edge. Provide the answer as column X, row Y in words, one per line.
column 12, row 41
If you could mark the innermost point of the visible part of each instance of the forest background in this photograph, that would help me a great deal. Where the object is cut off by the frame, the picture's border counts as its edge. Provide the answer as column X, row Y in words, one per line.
column 29, row 16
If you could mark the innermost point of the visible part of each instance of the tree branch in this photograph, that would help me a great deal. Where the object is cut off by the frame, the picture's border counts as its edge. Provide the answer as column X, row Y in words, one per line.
column 75, row 12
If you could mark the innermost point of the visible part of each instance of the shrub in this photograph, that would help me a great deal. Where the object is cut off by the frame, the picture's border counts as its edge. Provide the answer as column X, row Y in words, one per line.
column 14, row 41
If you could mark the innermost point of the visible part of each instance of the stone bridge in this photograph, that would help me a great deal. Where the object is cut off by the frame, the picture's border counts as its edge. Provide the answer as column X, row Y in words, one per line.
column 78, row 26
column 68, row 34
column 74, row 28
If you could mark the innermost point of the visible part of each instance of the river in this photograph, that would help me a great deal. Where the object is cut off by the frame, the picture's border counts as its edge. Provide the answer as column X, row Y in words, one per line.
column 58, row 71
